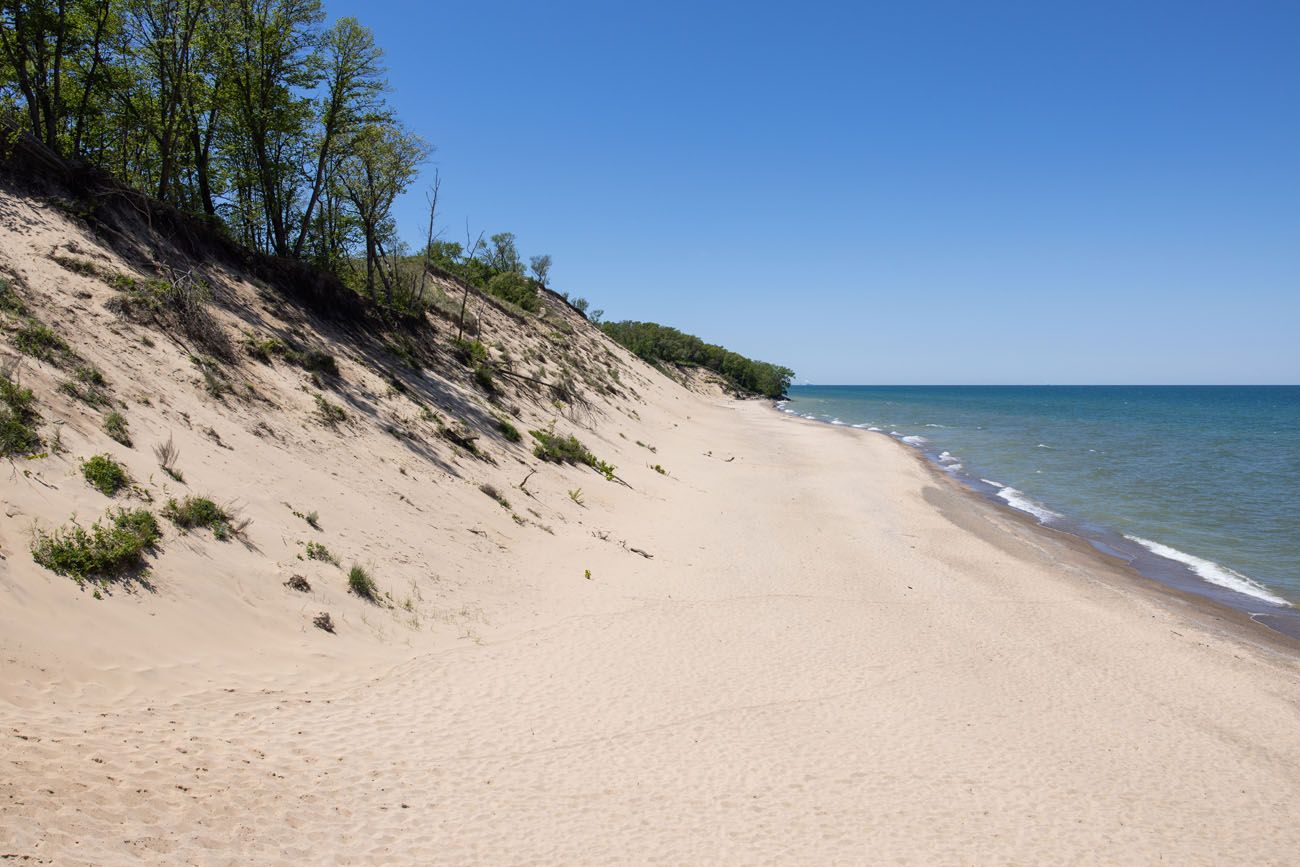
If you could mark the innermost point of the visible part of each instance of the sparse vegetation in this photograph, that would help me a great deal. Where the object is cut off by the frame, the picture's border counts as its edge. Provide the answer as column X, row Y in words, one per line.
column 317, row 551
column 103, row 551
column 87, row 384
column 116, row 426
column 471, row 353
column 298, row 583
column 191, row 512
column 508, row 430
column 329, row 414
column 167, row 455
column 18, row 418
column 658, row 469
column 568, row 450
column 360, row 583
column 324, row 621
column 496, row 495
column 576, row 496
column 104, row 474
column 38, row 340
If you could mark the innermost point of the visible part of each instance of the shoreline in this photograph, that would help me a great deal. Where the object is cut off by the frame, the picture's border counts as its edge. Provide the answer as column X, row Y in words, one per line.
column 1165, row 572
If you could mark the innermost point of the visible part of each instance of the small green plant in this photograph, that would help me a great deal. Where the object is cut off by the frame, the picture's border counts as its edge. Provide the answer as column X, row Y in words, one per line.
column 9, row 300
column 87, row 384
column 576, row 496
column 471, row 353
column 509, row 431
column 313, row 520
column 568, row 450
column 329, row 414
column 658, row 469
column 262, row 348
column 115, row 425
column 646, row 446
column 317, row 551
column 496, row 495
column 38, row 340
column 586, row 573
column 103, row 551
column 104, row 474
column 18, row 419
column 194, row 512
column 360, row 583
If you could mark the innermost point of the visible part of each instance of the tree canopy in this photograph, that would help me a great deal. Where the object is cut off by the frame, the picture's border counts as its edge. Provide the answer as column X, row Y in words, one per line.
column 654, row 342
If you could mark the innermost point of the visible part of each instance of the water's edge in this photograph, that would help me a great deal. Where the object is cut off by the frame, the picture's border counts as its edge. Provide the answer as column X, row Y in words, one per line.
column 1151, row 560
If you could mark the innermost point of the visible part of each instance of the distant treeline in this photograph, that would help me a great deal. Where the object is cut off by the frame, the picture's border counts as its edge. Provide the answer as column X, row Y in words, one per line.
column 659, row 343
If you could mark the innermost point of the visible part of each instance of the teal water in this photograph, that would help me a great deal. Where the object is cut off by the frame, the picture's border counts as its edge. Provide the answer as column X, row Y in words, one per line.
column 1197, row 486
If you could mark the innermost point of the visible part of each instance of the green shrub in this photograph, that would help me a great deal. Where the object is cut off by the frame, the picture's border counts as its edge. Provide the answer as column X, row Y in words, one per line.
column 102, row 551
column 517, row 289
column 104, row 474
column 39, row 341
column 115, row 425
column 18, row 419
column 561, row 450
column 470, row 352
column 508, row 430
column 360, row 583
column 317, row 551
column 194, row 512
column 659, row 469
column 313, row 361
column 9, row 300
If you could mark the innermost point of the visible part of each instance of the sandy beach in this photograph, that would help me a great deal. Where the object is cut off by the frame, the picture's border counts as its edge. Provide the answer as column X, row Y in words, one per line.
column 833, row 657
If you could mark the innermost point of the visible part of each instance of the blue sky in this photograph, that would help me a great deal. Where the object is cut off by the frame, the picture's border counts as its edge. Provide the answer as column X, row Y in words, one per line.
column 917, row 192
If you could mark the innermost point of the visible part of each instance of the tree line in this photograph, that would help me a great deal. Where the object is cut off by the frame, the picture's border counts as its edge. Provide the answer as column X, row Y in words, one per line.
column 659, row 343
column 251, row 113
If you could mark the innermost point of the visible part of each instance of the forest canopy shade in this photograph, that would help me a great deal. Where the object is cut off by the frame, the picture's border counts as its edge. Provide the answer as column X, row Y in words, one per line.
column 660, row 343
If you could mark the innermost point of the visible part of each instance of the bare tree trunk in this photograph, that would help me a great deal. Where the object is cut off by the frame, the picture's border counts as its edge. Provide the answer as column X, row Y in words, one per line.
column 433, row 212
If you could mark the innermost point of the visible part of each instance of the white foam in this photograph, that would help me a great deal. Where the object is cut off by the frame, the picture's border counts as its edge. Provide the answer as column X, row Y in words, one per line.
column 791, row 411
column 862, row 426
column 934, row 425
column 876, row 429
column 813, row 417
column 915, row 440
column 1043, row 446
column 836, row 421
column 993, row 483
column 952, row 468
column 946, row 456
column 1212, row 572
column 1017, row 500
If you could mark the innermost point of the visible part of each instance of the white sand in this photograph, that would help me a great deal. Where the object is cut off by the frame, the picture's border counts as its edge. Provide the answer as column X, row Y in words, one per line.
column 834, row 655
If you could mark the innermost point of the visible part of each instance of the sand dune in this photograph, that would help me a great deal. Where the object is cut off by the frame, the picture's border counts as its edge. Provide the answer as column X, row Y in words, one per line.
column 830, row 655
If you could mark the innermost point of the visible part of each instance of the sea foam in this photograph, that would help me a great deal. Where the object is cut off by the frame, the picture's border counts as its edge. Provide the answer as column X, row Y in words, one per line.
column 1211, row 571
column 915, row 440
column 1017, row 500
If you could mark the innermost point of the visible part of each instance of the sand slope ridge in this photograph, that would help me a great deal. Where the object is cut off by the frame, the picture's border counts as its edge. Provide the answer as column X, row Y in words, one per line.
column 793, row 645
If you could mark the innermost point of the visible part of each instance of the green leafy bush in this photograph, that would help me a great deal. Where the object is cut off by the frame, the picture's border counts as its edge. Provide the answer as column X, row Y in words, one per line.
column 194, row 512
column 360, row 583
column 509, row 431
column 568, row 450
column 317, row 551
column 471, row 353
column 18, row 419
column 102, row 551
column 517, row 289
column 104, row 474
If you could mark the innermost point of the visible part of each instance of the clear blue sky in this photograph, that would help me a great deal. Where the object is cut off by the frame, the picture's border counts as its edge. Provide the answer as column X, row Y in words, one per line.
column 904, row 192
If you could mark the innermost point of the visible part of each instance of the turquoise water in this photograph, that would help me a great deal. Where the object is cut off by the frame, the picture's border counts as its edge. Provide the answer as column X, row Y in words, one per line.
column 1197, row 486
